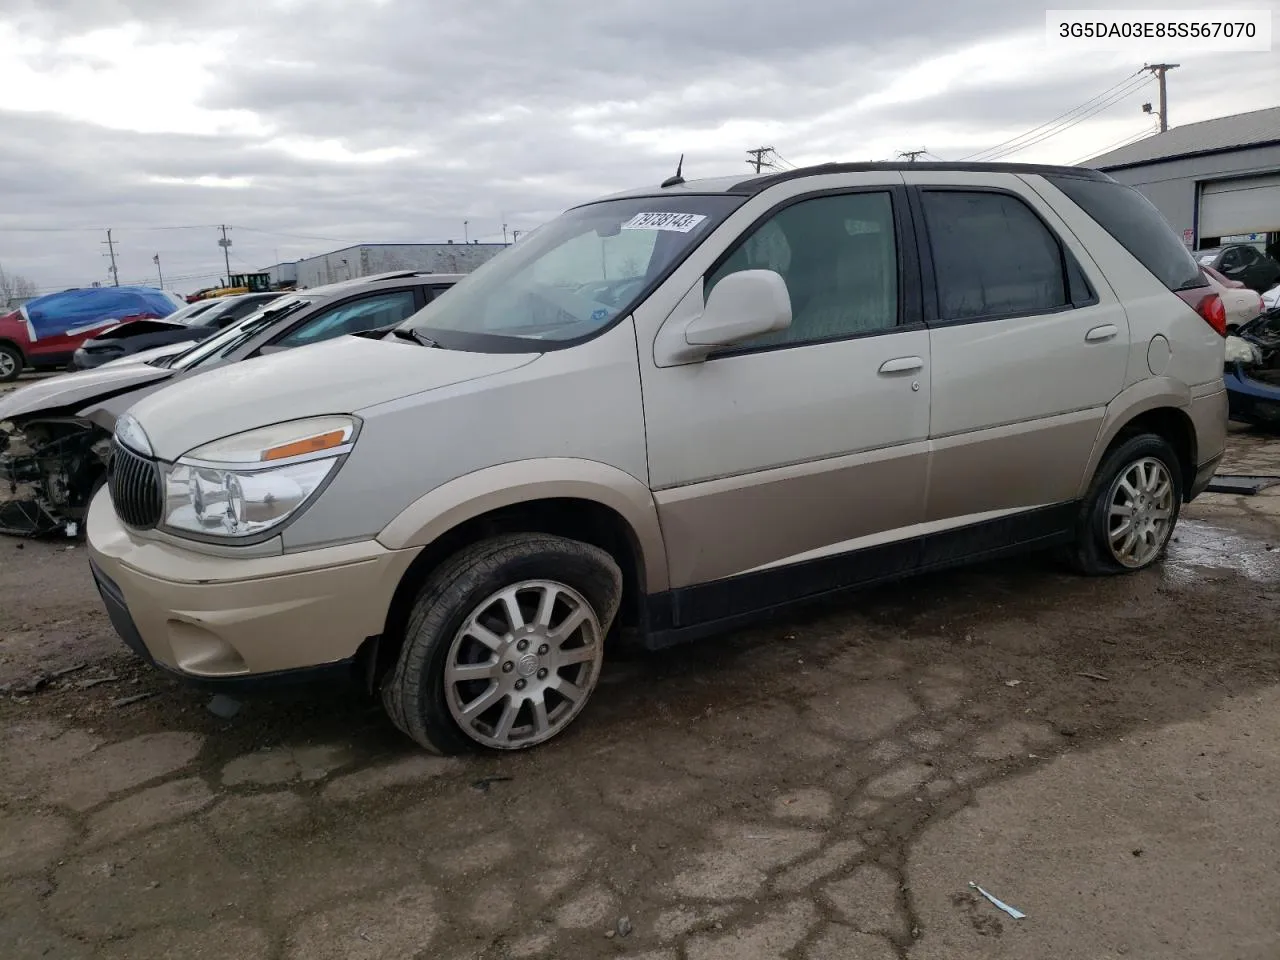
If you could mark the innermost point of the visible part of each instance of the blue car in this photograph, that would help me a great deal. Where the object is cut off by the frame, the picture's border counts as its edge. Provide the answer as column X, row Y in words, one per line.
column 1252, row 372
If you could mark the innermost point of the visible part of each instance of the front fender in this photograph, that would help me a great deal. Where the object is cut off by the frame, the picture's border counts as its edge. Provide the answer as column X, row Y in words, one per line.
column 509, row 484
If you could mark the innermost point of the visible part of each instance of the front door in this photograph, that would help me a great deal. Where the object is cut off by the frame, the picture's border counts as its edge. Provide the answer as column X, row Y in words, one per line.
column 775, row 461
column 1028, row 345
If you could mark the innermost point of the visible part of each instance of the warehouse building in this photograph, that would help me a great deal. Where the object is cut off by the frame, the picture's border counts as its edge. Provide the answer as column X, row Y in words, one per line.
column 1216, row 182
column 366, row 259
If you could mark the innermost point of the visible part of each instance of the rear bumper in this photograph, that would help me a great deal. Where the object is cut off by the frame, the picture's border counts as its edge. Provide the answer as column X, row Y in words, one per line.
column 1208, row 413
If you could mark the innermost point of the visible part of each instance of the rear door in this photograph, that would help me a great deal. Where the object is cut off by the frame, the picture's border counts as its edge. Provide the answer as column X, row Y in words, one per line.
column 1028, row 345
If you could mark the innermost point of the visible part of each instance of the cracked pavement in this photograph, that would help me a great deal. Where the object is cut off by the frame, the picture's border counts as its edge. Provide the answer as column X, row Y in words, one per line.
column 1101, row 754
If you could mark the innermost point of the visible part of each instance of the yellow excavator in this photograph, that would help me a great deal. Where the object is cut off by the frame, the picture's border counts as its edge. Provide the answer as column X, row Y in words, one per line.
column 238, row 283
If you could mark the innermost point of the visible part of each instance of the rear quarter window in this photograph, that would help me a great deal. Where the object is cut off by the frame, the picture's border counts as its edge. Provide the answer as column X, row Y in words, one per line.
column 1136, row 225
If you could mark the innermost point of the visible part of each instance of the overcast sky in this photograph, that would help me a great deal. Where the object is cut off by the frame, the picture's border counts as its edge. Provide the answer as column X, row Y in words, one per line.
column 311, row 124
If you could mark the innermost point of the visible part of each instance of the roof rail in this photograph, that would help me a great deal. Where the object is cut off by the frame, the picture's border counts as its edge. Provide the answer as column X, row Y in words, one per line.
column 753, row 185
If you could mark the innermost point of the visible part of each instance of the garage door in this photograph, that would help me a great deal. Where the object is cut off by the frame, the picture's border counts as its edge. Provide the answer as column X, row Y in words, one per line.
column 1246, row 205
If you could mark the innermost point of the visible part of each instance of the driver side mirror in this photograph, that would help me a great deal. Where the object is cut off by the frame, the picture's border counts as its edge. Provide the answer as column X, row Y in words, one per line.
column 743, row 305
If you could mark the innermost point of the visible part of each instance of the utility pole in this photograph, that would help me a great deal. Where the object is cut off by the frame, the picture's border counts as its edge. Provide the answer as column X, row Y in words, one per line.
column 225, row 244
column 1160, row 69
column 912, row 154
column 758, row 157
column 504, row 235
column 111, row 252
column 466, row 236
column 159, row 272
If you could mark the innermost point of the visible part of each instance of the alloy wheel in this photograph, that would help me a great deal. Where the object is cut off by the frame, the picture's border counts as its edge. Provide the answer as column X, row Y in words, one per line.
column 1140, row 512
column 523, row 664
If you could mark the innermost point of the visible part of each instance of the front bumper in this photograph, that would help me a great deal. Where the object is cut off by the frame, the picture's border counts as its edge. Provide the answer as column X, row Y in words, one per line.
column 215, row 618
column 1252, row 401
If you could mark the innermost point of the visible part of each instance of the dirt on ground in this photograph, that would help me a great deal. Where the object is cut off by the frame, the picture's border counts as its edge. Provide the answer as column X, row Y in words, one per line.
column 1101, row 754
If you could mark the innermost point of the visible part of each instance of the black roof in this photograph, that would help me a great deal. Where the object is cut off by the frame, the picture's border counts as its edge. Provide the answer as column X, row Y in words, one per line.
column 754, row 185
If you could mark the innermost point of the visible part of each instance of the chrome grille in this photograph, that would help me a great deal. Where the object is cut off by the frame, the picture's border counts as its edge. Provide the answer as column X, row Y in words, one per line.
column 134, row 482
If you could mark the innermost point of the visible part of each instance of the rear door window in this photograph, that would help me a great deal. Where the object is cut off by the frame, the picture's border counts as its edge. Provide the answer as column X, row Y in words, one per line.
column 993, row 257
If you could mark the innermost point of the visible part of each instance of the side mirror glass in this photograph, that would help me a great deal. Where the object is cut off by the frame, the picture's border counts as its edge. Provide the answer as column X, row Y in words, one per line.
column 742, row 306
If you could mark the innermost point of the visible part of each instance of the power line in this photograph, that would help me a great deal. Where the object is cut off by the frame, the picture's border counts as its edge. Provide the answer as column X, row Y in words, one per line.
column 1075, row 121
column 292, row 236
column 1122, row 142
column 782, row 159
column 1079, row 118
column 1060, row 116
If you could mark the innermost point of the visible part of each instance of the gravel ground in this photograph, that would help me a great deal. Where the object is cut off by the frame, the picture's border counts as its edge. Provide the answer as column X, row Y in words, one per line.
column 1102, row 754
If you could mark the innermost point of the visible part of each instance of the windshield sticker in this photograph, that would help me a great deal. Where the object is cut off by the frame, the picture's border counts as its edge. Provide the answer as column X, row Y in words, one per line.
column 679, row 222
column 599, row 314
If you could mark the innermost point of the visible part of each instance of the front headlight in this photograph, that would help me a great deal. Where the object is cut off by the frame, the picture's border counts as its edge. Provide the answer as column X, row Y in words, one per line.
column 244, row 485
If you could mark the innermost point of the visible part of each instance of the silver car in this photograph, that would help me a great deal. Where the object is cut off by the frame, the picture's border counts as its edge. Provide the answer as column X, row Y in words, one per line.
column 55, row 435
column 669, row 411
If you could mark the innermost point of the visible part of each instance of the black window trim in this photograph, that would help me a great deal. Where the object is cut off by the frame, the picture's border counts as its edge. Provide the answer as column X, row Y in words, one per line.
column 324, row 306
column 909, row 294
column 928, row 275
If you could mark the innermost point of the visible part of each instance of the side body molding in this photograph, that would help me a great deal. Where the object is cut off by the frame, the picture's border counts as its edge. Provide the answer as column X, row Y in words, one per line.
column 509, row 484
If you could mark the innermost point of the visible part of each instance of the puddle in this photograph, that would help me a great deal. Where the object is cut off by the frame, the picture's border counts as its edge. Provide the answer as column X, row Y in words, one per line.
column 1203, row 546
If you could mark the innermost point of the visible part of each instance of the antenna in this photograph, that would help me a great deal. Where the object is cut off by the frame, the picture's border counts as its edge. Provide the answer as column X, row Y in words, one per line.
column 677, row 179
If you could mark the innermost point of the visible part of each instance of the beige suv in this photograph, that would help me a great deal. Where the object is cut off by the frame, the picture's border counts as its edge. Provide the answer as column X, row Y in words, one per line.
column 671, row 410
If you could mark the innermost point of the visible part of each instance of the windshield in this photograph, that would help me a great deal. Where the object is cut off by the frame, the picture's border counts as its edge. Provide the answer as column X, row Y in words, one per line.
column 215, row 349
column 185, row 313
column 573, row 276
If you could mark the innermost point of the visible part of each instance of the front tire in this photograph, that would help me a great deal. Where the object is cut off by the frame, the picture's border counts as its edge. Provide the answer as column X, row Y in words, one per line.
column 1128, row 515
column 504, row 644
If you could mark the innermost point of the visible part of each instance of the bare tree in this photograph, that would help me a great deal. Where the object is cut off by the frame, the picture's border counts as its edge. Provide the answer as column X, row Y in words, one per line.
column 14, row 286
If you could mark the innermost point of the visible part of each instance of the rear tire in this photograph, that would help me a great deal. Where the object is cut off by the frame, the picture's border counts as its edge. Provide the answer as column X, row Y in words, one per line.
column 11, row 363
column 469, row 677
column 1131, row 508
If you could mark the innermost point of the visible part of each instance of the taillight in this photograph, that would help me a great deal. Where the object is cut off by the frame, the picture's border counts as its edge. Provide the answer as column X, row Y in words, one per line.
column 1209, row 306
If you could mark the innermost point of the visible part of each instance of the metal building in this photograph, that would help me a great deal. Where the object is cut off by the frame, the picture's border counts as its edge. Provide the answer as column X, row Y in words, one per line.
column 370, row 258
column 282, row 274
column 1217, row 181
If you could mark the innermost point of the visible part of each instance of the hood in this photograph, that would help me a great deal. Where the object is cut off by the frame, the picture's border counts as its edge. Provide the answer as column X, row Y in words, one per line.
column 345, row 375
column 76, row 390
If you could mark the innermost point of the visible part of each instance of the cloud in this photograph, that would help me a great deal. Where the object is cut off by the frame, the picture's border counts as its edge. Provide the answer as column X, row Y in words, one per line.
column 309, row 124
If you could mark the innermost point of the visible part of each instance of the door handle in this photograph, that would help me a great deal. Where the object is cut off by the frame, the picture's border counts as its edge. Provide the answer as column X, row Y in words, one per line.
column 901, row 365
column 1104, row 332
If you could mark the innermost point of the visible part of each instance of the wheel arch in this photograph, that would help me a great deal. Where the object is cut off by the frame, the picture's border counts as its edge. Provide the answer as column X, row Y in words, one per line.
column 1156, row 406
column 15, row 346
column 580, row 500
